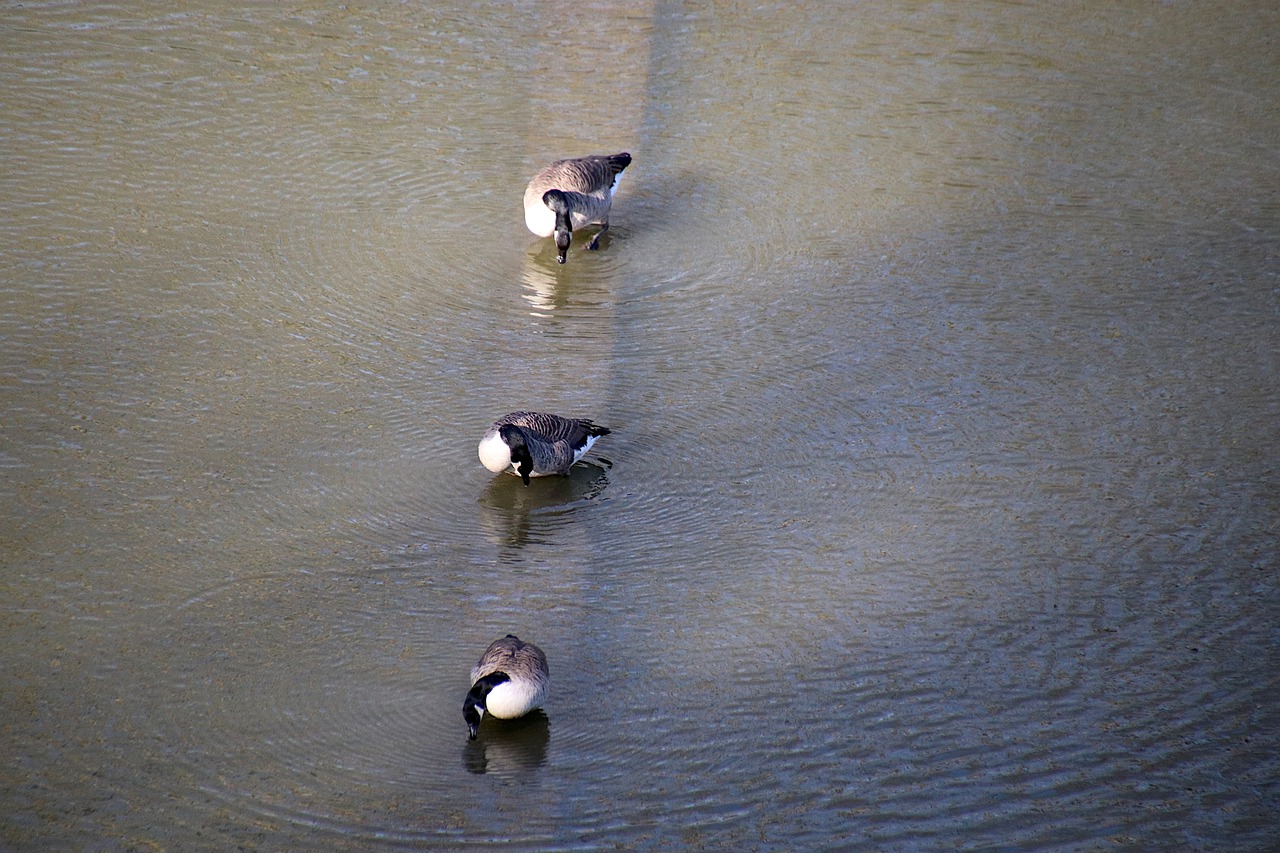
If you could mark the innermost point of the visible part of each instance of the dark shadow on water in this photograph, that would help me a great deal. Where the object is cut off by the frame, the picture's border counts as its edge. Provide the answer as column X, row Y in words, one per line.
column 656, row 199
column 507, row 747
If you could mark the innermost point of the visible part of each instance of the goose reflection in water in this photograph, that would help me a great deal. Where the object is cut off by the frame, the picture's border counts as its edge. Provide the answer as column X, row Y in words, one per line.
column 562, row 304
column 514, row 515
column 541, row 288
column 509, row 747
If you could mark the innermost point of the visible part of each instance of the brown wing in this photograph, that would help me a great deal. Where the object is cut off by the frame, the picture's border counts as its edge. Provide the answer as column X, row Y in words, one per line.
column 513, row 656
column 586, row 175
column 553, row 428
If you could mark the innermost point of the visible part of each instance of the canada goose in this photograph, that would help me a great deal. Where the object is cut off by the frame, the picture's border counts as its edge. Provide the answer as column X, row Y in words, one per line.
column 573, row 193
column 508, row 681
column 532, row 444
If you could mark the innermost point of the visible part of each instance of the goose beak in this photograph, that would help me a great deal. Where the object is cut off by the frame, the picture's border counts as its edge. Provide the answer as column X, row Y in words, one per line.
column 563, row 236
column 473, row 713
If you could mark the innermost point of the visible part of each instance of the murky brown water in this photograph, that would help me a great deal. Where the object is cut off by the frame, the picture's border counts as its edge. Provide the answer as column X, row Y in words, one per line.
column 939, row 342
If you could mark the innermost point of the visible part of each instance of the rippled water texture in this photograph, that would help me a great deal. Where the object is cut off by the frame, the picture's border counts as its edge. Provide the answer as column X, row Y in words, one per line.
column 939, row 344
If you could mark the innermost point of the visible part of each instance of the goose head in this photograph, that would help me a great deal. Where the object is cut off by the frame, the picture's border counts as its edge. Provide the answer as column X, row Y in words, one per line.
column 513, row 438
column 559, row 204
column 473, row 707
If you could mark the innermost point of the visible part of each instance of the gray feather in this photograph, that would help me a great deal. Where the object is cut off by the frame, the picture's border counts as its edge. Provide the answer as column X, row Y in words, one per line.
column 520, row 660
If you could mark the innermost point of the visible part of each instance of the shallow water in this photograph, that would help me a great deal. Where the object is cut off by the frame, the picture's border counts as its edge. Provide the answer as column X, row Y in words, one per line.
column 938, row 342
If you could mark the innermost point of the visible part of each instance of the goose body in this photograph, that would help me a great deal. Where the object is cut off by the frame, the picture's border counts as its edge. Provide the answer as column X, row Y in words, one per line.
column 533, row 444
column 508, row 681
column 571, row 194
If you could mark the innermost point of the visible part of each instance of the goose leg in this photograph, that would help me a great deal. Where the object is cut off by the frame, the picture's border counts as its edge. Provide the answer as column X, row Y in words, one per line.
column 595, row 241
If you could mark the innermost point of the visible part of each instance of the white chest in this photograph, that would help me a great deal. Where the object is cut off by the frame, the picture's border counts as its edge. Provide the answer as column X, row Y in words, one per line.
column 513, row 699
column 540, row 218
column 494, row 454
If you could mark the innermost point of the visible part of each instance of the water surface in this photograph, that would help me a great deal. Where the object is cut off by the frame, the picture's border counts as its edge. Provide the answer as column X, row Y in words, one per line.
column 938, row 342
